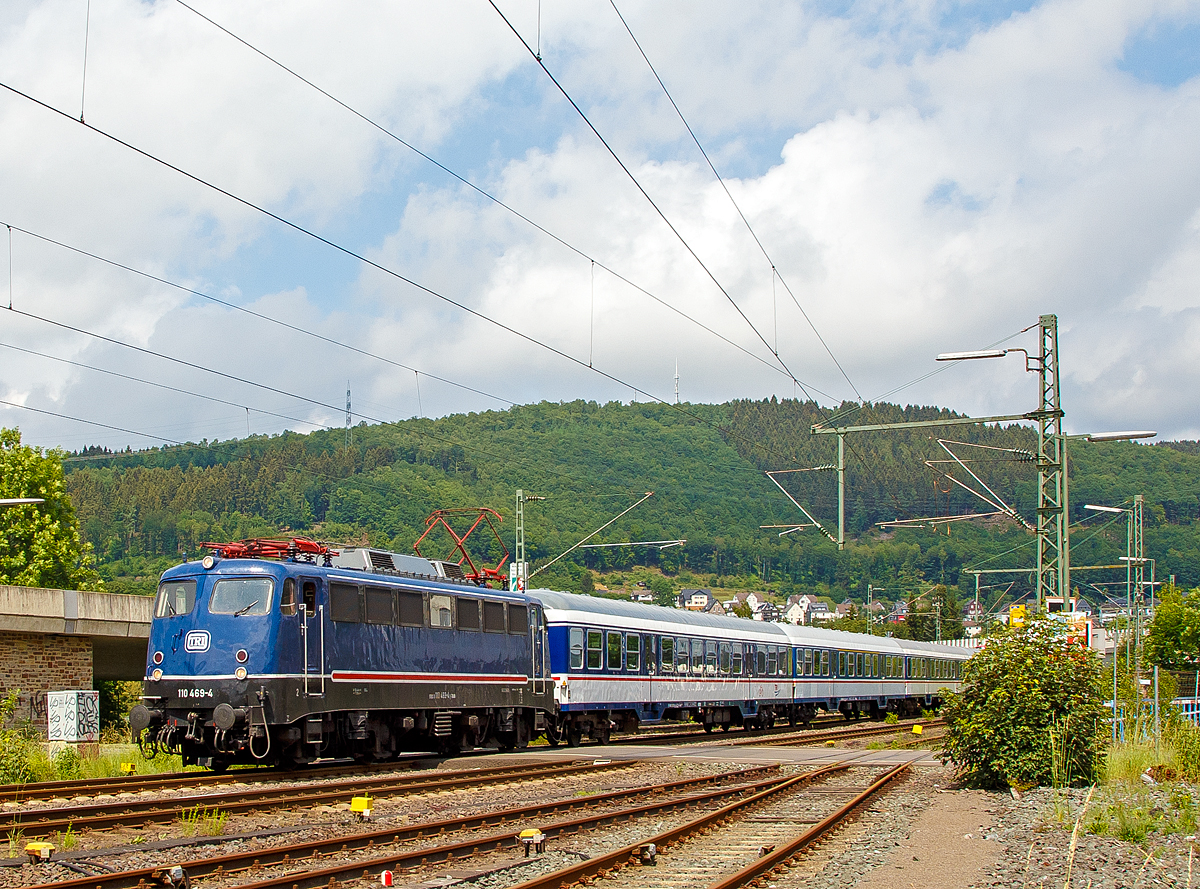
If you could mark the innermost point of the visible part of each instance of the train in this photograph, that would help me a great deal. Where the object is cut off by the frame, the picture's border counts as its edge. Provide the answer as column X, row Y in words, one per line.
column 286, row 652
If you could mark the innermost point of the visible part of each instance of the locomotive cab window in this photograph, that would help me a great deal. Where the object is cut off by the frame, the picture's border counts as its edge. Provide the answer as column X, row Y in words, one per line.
column 595, row 649
column 493, row 617
column 242, row 595
column 343, row 603
column 518, row 620
column 441, row 612
column 310, row 596
column 175, row 597
column 287, row 598
column 576, row 646
column 468, row 617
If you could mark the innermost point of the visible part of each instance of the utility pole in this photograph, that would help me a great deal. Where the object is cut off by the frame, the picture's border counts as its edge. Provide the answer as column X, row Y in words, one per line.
column 1053, row 543
column 677, row 381
column 519, row 573
column 349, row 433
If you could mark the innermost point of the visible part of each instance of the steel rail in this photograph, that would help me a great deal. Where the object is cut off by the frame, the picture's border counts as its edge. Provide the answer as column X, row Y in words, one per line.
column 44, row 821
column 293, row 853
column 261, row 774
column 838, row 734
column 332, row 875
column 605, row 864
column 782, row 854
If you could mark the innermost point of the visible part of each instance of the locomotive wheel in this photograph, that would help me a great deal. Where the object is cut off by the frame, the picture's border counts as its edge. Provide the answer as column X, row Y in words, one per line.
column 574, row 736
column 219, row 764
column 708, row 728
column 602, row 735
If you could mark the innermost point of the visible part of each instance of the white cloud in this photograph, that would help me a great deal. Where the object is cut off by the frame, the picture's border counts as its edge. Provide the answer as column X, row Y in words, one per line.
column 921, row 187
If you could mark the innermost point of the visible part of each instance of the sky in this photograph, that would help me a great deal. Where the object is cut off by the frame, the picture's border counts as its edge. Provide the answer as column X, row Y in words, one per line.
column 249, row 217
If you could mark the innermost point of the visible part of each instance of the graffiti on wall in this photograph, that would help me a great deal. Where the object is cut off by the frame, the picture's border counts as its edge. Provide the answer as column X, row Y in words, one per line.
column 73, row 715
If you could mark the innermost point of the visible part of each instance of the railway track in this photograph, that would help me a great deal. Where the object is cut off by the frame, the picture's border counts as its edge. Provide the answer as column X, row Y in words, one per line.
column 705, row 854
column 170, row 780
column 799, row 739
column 99, row 815
column 305, row 864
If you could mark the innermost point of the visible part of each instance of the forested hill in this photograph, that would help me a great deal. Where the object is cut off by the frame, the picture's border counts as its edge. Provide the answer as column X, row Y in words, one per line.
column 705, row 464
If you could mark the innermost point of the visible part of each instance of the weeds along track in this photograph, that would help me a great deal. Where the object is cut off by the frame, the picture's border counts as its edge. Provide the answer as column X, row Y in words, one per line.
column 101, row 814
column 735, row 846
column 421, row 846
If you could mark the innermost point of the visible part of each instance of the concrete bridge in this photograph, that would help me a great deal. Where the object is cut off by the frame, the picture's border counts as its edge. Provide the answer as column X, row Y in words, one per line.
column 59, row 640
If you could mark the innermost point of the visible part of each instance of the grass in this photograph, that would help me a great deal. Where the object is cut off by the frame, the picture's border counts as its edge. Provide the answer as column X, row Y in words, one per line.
column 16, row 843
column 66, row 840
column 202, row 821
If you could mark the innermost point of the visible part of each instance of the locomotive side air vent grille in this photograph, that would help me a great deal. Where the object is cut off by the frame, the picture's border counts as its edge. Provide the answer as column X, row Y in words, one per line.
column 381, row 560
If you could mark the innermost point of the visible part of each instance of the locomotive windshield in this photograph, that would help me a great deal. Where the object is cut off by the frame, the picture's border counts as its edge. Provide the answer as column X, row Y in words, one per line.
column 175, row 597
column 243, row 595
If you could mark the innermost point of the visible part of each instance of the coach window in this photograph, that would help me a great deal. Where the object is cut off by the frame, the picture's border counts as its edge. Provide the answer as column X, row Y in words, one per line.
column 698, row 657
column 736, row 659
column 725, row 659
column 710, row 658
column 824, row 663
column 174, row 598
column 595, row 649
column 468, row 615
column 667, row 645
column 633, row 652
column 841, row 663
column 761, row 661
column 441, row 612
column 576, row 644
column 614, row 651
column 343, row 603
column 287, row 598
column 410, row 609
column 682, row 648
column 379, row 606
column 808, row 661
column 789, row 655
column 493, row 617
column 518, row 620
column 771, row 666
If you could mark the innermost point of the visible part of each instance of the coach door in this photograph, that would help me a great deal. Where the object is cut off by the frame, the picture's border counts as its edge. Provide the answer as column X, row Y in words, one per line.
column 541, row 666
column 312, row 634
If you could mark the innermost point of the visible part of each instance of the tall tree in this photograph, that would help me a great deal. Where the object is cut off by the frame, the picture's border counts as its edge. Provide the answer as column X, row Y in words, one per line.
column 40, row 545
column 1173, row 641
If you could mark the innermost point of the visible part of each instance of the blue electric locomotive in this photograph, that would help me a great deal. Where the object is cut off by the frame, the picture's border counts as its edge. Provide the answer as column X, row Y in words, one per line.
column 350, row 654
column 362, row 653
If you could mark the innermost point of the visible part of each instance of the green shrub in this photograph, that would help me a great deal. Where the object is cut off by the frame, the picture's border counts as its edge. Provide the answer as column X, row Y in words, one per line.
column 892, row 718
column 1025, row 693
column 68, row 764
column 22, row 757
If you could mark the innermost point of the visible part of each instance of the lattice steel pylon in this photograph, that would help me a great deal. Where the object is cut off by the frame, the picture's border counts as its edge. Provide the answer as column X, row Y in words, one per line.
column 1053, row 542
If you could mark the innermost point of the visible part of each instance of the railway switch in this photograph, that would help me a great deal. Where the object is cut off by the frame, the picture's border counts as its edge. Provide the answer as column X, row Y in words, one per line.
column 533, row 840
column 648, row 855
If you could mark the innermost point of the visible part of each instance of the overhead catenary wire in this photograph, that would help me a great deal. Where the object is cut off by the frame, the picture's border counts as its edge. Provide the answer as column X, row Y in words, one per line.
column 775, row 273
column 658, row 210
column 497, row 201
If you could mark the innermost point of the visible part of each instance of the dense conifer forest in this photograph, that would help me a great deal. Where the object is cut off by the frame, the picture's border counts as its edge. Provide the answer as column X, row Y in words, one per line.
column 706, row 466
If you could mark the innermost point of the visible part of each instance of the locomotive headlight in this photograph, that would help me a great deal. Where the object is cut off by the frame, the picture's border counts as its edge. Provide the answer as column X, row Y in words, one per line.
column 158, row 657
column 240, row 673
column 208, row 562
column 241, row 655
column 156, row 675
